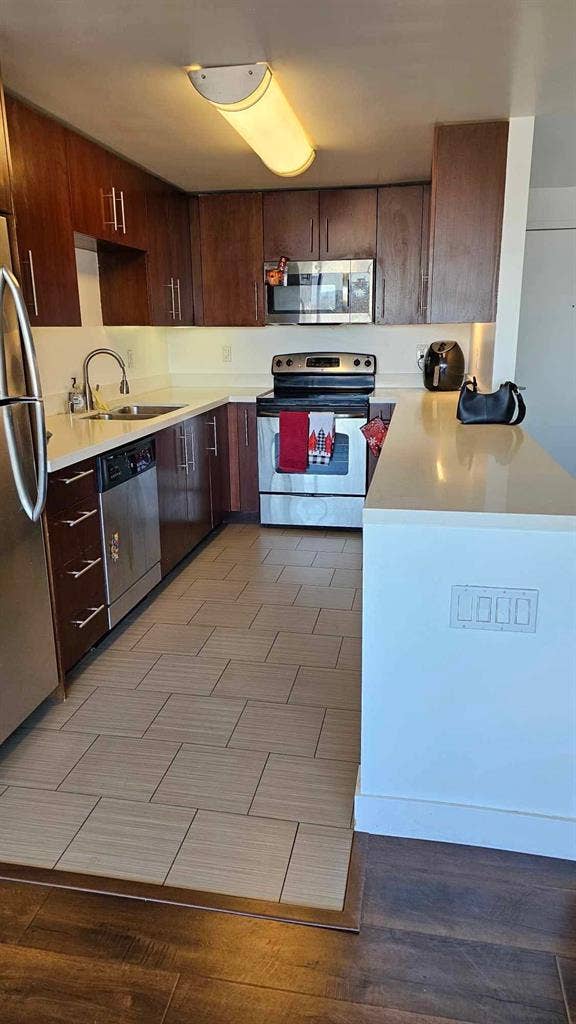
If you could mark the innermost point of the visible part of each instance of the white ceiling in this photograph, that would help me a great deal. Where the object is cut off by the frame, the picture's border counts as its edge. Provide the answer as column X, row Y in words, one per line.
column 368, row 78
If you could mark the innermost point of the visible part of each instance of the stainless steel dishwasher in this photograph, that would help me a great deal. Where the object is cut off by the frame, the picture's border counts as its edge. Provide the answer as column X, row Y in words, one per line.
column 130, row 525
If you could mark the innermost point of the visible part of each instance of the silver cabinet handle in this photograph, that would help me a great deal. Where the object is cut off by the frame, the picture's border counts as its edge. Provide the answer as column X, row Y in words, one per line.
column 123, row 211
column 112, row 197
column 80, row 623
column 184, row 449
column 72, row 479
column 246, row 438
column 327, row 235
column 172, row 305
column 81, row 518
column 215, row 448
column 80, row 572
column 193, row 452
column 33, row 280
column 383, row 297
column 179, row 299
column 256, row 301
column 311, row 234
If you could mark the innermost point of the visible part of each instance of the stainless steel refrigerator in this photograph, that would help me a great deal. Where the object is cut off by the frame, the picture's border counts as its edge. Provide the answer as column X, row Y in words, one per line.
column 28, row 671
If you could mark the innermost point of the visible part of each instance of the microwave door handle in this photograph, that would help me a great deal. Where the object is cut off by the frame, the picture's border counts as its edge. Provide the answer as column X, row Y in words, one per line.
column 346, row 292
column 32, row 507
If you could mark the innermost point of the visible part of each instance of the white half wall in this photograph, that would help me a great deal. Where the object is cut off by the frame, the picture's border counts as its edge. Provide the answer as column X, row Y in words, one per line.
column 468, row 735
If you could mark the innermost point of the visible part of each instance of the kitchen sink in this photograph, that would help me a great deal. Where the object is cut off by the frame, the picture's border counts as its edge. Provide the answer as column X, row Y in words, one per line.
column 135, row 412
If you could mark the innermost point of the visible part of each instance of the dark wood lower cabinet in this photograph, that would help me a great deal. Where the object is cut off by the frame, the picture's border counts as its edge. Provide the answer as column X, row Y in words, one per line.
column 75, row 558
column 219, row 462
column 187, row 481
column 247, row 433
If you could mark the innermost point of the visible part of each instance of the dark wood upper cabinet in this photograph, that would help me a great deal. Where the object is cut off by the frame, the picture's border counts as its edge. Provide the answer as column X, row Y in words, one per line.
column 232, row 257
column 348, row 223
column 178, row 223
column 169, row 256
column 291, row 225
column 468, row 181
column 402, row 254
column 108, row 194
column 43, row 216
column 5, row 184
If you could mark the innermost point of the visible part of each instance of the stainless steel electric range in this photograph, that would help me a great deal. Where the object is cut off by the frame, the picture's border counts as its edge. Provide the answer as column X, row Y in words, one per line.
column 323, row 495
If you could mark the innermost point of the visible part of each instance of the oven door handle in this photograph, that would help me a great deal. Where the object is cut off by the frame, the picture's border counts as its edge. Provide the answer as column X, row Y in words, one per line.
column 338, row 416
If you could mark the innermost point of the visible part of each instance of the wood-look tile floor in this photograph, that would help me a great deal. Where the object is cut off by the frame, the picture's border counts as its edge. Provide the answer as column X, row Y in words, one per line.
column 212, row 740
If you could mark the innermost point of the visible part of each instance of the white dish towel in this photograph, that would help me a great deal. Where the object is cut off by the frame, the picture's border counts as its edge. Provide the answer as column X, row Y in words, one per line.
column 321, row 438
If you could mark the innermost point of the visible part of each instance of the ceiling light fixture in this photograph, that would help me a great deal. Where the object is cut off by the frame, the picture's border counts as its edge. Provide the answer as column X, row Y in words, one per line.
column 249, row 97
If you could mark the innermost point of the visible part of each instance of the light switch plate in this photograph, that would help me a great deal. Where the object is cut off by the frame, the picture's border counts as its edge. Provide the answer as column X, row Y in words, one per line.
column 498, row 608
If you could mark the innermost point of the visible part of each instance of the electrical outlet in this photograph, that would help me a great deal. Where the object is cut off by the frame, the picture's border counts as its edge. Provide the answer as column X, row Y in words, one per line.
column 130, row 359
column 226, row 353
column 420, row 353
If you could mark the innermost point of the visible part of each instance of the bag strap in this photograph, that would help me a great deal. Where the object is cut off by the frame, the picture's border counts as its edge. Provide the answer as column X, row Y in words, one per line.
column 521, row 404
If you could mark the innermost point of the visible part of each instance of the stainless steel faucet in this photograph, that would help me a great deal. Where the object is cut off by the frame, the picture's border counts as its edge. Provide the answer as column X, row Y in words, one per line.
column 124, row 385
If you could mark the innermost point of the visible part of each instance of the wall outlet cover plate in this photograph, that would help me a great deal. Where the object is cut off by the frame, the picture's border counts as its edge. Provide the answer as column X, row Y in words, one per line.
column 503, row 609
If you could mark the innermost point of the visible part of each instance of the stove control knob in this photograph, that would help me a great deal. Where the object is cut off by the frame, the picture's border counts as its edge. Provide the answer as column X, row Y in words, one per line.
column 288, row 362
column 367, row 362
column 278, row 362
column 356, row 362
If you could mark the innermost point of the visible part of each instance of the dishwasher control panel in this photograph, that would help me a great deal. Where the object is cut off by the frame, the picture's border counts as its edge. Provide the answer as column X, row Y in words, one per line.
column 118, row 466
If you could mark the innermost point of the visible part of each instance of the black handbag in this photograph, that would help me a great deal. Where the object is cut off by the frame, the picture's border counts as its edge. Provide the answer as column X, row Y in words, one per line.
column 503, row 406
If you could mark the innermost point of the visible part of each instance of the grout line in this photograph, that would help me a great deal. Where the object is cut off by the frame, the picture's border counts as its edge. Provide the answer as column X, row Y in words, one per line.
column 247, row 814
column 282, row 887
column 320, row 732
column 89, row 815
column 69, row 772
column 153, row 793
column 183, row 840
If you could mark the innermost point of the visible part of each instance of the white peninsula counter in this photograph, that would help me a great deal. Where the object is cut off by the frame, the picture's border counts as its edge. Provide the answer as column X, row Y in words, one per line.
column 469, row 667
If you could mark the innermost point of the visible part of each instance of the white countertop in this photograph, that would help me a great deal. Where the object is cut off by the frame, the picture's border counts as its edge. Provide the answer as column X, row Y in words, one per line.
column 435, row 469
column 431, row 465
column 75, row 437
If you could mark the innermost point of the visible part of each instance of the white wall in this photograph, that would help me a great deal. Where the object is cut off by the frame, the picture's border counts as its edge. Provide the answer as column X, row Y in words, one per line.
column 61, row 350
column 519, row 159
column 195, row 354
column 546, row 351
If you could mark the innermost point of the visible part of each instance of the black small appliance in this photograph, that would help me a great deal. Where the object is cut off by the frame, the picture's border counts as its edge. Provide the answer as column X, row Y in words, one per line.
column 444, row 366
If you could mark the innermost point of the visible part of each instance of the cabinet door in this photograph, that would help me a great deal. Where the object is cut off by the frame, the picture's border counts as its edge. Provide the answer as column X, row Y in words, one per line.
column 402, row 258
column 218, row 449
column 291, row 225
column 178, row 222
column 161, row 291
column 5, row 186
column 129, row 184
column 348, row 223
column 90, row 175
column 468, row 180
column 199, row 514
column 232, row 259
column 172, row 470
column 43, row 217
column 248, row 457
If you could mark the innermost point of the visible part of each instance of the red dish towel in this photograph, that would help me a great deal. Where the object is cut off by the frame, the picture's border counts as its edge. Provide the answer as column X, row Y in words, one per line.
column 293, row 455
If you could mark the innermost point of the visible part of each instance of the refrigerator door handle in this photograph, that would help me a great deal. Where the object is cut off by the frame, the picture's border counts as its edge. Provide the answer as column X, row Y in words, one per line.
column 32, row 507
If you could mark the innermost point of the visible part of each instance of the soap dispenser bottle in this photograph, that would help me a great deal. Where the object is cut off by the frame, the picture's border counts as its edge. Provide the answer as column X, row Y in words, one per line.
column 76, row 399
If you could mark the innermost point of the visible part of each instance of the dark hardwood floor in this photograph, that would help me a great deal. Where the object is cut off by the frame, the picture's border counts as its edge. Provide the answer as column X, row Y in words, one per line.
column 449, row 934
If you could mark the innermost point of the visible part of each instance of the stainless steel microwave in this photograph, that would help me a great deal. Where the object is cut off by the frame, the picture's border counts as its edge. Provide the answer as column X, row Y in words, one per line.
column 325, row 292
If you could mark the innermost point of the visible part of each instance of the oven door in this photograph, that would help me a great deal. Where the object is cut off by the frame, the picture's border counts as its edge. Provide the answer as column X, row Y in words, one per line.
column 344, row 474
column 328, row 292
